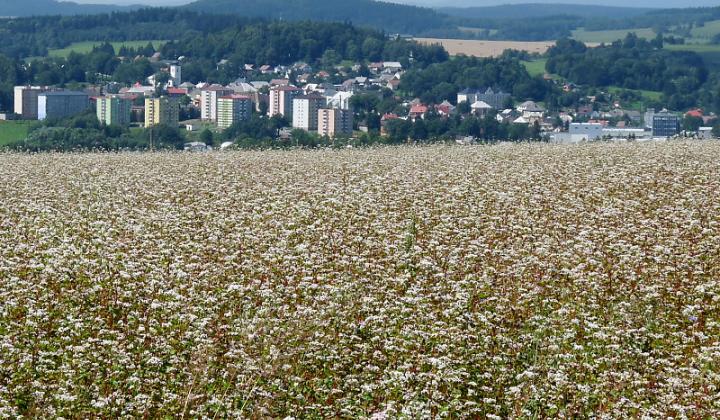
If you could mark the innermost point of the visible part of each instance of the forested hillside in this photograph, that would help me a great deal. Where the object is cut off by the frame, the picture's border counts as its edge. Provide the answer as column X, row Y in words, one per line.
column 534, row 10
column 660, row 19
column 523, row 22
column 633, row 63
column 443, row 80
column 550, row 22
column 288, row 42
column 32, row 37
column 390, row 17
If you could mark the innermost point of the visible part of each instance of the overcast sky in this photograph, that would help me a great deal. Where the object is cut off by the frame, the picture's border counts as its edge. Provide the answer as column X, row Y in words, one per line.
column 468, row 3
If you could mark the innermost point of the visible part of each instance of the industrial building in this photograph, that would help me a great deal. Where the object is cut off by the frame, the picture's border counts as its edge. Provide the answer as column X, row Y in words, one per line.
column 61, row 104
column 665, row 124
column 26, row 101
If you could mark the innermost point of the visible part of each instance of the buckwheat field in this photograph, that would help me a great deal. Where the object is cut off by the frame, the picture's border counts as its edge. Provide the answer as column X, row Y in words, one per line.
column 434, row 282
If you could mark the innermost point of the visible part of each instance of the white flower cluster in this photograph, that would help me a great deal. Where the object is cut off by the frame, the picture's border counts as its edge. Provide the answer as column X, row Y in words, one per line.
column 433, row 282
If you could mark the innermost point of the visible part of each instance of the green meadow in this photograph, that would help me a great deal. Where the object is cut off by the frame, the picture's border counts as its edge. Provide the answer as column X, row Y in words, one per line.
column 11, row 131
column 87, row 46
column 610, row 35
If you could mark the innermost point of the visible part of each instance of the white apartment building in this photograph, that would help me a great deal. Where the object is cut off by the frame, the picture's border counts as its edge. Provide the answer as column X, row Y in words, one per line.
column 209, row 99
column 305, row 111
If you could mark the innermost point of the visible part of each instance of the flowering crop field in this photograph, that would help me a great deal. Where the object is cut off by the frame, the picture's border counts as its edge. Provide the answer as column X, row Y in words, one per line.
column 458, row 282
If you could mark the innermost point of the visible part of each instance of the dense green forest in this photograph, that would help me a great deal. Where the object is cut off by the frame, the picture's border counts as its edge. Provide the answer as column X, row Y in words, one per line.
column 443, row 80
column 550, row 22
column 541, row 10
column 287, row 42
column 632, row 63
column 34, row 36
column 661, row 20
column 390, row 17
column 522, row 22
column 385, row 16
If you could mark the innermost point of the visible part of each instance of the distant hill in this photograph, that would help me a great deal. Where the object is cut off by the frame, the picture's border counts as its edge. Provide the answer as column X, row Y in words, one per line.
column 22, row 8
column 535, row 10
column 655, row 4
column 390, row 17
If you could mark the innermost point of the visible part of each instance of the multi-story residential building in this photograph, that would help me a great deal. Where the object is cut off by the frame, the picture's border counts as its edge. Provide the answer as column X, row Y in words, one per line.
column 281, row 100
column 665, row 124
column 114, row 110
column 61, row 104
column 305, row 111
column 335, row 122
column 162, row 111
column 233, row 108
column 26, row 101
column 209, row 99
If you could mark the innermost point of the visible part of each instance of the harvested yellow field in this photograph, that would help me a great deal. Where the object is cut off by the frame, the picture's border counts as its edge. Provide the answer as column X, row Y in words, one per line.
column 481, row 48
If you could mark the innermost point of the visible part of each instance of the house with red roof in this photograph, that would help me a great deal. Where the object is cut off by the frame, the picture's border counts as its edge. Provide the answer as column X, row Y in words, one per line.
column 697, row 113
column 176, row 92
column 384, row 121
column 418, row 111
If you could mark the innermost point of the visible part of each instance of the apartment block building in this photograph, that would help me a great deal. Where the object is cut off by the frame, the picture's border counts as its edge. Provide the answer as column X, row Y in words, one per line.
column 233, row 108
column 305, row 111
column 335, row 122
column 281, row 101
column 61, row 104
column 209, row 101
column 114, row 110
column 162, row 110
